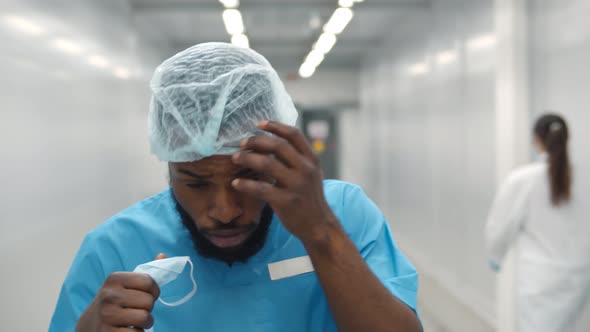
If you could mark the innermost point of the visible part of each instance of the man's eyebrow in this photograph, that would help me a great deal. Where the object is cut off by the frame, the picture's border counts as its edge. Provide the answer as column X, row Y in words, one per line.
column 194, row 175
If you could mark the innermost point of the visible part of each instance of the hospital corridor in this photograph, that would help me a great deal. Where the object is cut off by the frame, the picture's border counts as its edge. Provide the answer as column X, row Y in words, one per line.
column 295, row 165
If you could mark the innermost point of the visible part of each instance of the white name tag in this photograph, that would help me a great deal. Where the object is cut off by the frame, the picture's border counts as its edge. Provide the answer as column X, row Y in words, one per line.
column 290, row 267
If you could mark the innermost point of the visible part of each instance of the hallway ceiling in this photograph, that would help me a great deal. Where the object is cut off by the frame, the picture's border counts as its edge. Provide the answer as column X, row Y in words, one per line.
column 282, row 30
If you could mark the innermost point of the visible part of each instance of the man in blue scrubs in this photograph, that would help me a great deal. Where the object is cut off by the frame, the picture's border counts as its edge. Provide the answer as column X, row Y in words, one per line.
column 274, row 247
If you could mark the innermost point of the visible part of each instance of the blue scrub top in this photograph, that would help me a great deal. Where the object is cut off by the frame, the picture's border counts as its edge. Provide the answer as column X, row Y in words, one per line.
column 237, row 298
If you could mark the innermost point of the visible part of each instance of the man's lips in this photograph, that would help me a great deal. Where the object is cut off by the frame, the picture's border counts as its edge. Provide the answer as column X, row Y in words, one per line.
column 228, row 238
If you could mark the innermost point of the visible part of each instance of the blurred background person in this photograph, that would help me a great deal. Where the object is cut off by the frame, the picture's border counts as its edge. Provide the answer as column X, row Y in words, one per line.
column 536, row 212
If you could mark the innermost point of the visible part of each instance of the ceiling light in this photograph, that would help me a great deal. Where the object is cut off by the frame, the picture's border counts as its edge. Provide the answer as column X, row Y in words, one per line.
column 314, row 58
column 230, row 3
column 306, row 70
column 481, row 42
column 346, row 3
column 325, row 42
column 232, row 18
column 338, row 21
column 419, row 69
column 446, row 57
column 122, row 73
column 359, row 0
column 240, row 40
column 23, row 25
column 98, row 61
column 67, row 46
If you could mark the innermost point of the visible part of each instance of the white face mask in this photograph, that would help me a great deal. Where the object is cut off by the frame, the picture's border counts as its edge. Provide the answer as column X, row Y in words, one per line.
column 167, row 270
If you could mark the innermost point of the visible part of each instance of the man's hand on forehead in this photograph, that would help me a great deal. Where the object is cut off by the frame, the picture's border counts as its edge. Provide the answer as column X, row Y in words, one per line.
column 297, row 197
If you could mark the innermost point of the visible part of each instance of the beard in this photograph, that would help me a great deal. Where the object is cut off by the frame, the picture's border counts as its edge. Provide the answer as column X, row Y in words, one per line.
column 241, row 253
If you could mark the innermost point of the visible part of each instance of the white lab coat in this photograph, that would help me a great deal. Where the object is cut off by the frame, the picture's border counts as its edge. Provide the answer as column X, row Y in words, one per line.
column 552, row 259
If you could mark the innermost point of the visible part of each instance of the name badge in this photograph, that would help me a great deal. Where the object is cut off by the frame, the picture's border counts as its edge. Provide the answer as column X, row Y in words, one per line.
column 290, row 267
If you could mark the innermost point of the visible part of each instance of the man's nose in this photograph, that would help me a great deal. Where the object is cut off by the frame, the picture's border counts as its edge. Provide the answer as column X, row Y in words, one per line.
column 225, row 206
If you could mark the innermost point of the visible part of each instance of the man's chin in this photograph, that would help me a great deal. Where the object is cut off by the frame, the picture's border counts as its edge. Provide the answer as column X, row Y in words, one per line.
column 238, row 253
column 226, row 249
column 229, row 250
column 237, row 248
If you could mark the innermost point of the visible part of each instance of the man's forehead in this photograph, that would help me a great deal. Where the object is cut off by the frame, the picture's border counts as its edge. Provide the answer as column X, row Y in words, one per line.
column 217, row 165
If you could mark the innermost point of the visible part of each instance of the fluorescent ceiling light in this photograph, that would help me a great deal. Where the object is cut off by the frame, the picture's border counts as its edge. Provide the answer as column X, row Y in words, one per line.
column 482, row 42
column 67, row 46
column 325, row 42
column 338, row 21
column 419, row 69
column 232, row 18
column 446, row 57
column 230, row 3
column 23, row 25
column 240, row 40
column 98, row 61
column 306, row 70
column 346, row 3
column 359, row 0
column 314, row 58
column 122, row 73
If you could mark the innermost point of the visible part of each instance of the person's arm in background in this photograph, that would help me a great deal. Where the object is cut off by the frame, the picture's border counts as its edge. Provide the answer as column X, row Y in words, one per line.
column 505, row 218
column 359, row 300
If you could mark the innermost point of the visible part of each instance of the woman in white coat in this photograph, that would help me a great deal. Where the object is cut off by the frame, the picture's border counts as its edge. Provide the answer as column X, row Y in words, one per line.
column 538, row 216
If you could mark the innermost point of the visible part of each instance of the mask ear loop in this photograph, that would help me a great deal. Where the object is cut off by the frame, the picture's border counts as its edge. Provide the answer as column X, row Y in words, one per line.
column 189, row 295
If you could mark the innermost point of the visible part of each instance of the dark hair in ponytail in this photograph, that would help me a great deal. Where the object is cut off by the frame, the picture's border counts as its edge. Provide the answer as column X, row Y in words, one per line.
column 552, row 131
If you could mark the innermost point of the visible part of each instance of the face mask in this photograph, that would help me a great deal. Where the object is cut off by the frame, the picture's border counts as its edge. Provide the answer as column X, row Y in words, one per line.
column 167, row 270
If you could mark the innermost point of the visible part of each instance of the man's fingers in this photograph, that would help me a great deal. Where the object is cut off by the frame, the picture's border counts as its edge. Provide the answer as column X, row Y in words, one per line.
column 291, row 134
column 136, row 281
column 261, row 189
column 160, row 256
column 264, row 164
column 136, row 318
column 277, row 146
column 135, row 299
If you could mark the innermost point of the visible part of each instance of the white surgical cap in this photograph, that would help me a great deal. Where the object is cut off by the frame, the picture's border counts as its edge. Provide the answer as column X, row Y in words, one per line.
column 209, row 97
